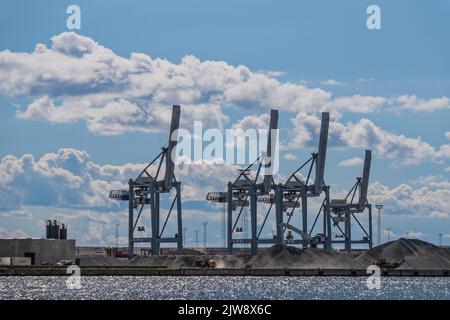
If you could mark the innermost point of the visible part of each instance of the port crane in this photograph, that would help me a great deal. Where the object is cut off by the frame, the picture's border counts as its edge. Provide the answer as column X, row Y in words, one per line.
column 344, row 211
column 145, row 191
column 292, row 197
column 247, row 190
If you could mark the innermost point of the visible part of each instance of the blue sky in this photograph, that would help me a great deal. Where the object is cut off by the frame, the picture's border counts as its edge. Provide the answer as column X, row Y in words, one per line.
column 305, row 42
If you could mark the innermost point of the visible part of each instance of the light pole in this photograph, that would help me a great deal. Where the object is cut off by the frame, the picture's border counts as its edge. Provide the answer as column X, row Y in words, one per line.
column 224, row 225
column 440, row 239
column 388, row 234
column 204, row 223
column 196, row 238
column 184, row 236
column 117, row 235
column 379, row 207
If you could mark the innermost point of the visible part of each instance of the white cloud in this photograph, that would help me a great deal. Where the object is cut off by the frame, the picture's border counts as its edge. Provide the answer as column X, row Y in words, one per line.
column 427, row 197
column 365, row 134
column 253, row 122
column 411, row 234
column 68, row 186
column 331, row 82
column 364, row 80
column 356, row 161
column 357, row 103
column 15, row 234
column 69, row 179
column 19, row 213
column 413, row 103
column 447, row 135
column 290, row 156
column 389, row 233
column 77, row 79
column 200, row 178
column 272, row 73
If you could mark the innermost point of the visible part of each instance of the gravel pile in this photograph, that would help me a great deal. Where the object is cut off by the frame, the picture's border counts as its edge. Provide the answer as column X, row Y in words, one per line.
column 409, row 253
column 282, row 256
column 100, row 261
column 402, row 253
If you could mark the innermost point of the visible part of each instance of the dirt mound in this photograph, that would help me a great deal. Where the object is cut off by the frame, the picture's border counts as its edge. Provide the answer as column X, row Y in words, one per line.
column 408, row 254
column 282, row 256
column 190, row 261
column 186, row 252
column 402, row 254
column 100, row 261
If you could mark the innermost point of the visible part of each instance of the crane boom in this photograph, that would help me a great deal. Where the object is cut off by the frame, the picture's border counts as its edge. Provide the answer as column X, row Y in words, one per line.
column 365, row 177
column 271, row 149
column 320, row 164
column 174, row 125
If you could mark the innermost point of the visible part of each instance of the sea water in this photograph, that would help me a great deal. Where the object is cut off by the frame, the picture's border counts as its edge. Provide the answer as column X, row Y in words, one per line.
column 216, row 287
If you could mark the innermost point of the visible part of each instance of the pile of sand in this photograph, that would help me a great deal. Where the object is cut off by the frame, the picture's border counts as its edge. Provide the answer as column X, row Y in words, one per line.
column 282, row 256
column 409, row 253
column 100, row 261
column 186, row 252
column 190, row 261
column 169, row 261
column 402, row 254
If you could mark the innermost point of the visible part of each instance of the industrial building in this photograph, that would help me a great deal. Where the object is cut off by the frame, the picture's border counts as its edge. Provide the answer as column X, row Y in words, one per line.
column 41, row 251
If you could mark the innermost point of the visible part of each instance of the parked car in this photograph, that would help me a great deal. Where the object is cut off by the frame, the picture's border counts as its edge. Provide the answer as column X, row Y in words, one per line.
column 64, row 263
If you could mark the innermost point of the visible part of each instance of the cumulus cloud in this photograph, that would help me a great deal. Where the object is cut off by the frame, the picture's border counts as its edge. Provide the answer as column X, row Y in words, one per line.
column 357, row 103
column 69, row 179
column 364, row 80
column 365, row 134
column 253, row 122
column 331, row 82
column 200, row 178
column 67, row 185
column 289, row 156
column 272, row 73
column 14, row 234
column 414, row 103
column 355, row 161
column 447, row 135
column 78, row 79
column 414, row 234
column 19, row 213
column 389, row 233
column 427, row 196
